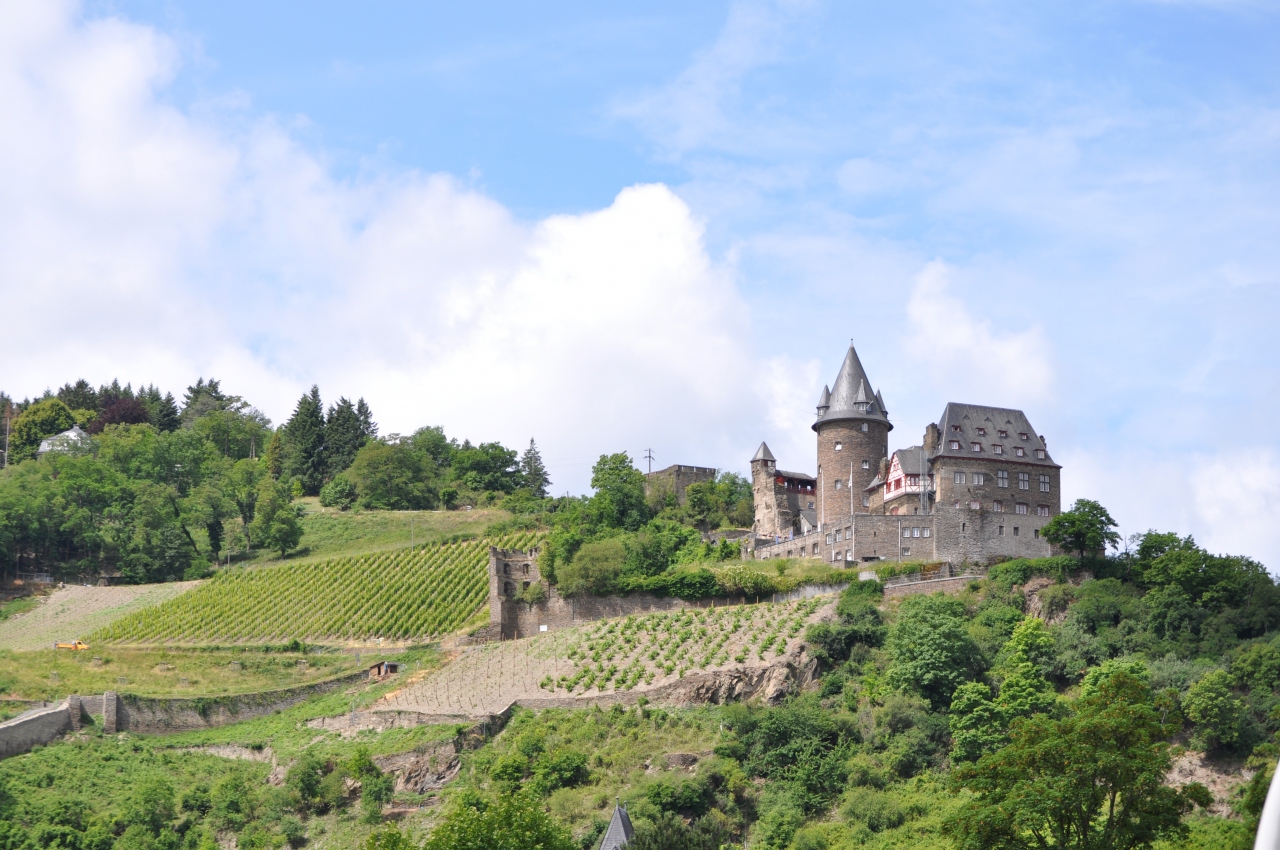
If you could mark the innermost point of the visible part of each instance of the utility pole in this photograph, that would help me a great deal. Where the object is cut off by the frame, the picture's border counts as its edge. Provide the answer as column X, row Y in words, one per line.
column 648, row 455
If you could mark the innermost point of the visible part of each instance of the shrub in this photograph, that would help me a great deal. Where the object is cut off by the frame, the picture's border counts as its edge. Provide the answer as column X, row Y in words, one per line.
column 339, row 493
column 594, row 569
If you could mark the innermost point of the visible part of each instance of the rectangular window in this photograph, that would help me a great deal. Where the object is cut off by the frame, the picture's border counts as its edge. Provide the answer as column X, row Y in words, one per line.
column 815, row 548
column 977, row 447
column 866, row 464
column 924, row 532
column 1015, row 531
column 1000, row 531
column 1044, row 484
column 913, row 480
column 958, row 478
column 1040, row 453
column 1002, row 478
column 1022, row 507
column 906, row 532
column 1022, row 436
column 955, row 427
column 1003, row 433
column 828, row 539
column 838, row 537
column 866, row 501
column 848, row 532
column 1019, row 452
column 835, row 556
column 957, row 504
column 915, row 532
column 848, row 554
column 982, row 432
column 954, row 445
column 997, row 450
column 1042, row 510
column 979, row 478
column 975, row 505
column 997, row 506
column 906, row 550
column 1024, row 480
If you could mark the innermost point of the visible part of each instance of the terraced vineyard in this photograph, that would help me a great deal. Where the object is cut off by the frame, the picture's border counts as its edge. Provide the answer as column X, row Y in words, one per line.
column 639, row 653
column 407, row 594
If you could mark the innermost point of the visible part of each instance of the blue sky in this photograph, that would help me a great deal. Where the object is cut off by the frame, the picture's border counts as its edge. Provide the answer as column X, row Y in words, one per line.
column 659, row 227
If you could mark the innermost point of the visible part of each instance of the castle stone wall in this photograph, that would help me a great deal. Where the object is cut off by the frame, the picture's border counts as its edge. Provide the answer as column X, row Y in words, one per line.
column 676, row 479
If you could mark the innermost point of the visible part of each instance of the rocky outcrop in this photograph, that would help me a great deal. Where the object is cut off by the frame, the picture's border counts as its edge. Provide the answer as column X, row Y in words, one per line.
column 422, row 770
column 789, row 674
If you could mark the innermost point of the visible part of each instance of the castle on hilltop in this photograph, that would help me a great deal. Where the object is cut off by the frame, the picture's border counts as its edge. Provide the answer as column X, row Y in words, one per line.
column 981, row 485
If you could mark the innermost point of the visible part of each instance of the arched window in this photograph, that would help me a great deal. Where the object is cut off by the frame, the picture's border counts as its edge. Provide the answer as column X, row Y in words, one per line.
column 508, row 588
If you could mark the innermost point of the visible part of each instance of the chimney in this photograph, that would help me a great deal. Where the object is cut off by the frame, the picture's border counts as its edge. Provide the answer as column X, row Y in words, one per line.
column 884, row 468
column 932, row 438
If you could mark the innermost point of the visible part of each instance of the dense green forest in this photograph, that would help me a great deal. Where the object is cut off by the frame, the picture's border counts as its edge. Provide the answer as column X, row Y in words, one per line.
column 161, row 490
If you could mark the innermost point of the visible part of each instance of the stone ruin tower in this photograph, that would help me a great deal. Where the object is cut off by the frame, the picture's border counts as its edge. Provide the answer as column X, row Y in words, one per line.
column 853, row 437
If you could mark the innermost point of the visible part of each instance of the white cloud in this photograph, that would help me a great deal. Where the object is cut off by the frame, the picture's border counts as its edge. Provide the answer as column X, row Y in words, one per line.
column 963, row 354
column 1237, row 497
column 141, row 241
column 862, row 176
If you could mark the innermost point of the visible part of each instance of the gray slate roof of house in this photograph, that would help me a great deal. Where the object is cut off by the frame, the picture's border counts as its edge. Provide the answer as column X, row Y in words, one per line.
column 962, row 421
column 912, row 460
column 810, row 516
column 852, row 396
column 803, row 476
column 619, row 833
column 763, row 453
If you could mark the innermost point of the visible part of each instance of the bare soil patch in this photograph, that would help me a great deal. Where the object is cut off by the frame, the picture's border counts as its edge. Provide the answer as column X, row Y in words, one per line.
column 75, row 611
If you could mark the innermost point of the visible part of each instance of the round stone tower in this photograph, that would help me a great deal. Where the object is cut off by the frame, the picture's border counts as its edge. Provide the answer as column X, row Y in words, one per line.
column 853, row 435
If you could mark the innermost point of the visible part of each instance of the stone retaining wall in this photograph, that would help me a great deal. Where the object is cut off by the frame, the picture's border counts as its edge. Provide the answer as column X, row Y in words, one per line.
column 35, row 727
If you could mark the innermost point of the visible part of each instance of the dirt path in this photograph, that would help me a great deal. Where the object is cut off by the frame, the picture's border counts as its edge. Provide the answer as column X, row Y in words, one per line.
column 75, row 611
column 617, row 658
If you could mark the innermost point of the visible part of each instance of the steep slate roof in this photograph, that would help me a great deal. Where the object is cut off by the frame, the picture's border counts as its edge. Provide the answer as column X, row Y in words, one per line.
column 824, row 400
column 763, row 453
column 971, row 417
column 912, row 460
column 802, row 476
column 852, row 397
column 619, row 833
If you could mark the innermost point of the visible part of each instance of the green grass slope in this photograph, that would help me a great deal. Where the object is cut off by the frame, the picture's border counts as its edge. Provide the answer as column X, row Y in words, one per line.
column 410, row 594
column 330, row 533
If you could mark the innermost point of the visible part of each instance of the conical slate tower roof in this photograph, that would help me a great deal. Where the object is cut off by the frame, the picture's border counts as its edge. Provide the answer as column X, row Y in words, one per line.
column 852, row 396
column 619, row 833
column 824, row 400
column 763, row 453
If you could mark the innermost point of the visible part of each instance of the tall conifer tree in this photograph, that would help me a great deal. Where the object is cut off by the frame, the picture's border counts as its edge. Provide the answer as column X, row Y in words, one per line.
column 534, row 472
column 368, row 427
column 343, row 436
column 304, row 443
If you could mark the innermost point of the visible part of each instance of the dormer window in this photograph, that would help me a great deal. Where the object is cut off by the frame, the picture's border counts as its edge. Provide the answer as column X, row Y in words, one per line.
column 1023, row 437
column 955, row 428
column 954, row 445
column 1003, row 433
column 997, row 449
column 1040, row 453
column 1019, row 452
column 977, row 447
column 982, row 432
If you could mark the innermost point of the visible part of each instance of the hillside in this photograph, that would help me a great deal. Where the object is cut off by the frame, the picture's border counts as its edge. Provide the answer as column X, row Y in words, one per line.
column 330, row 533
column 405, row 595
column 77, row 611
